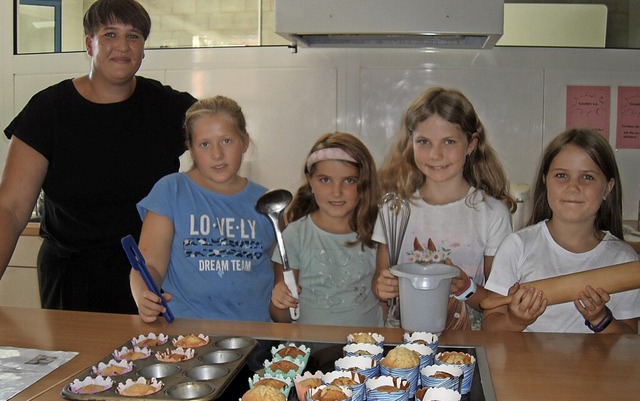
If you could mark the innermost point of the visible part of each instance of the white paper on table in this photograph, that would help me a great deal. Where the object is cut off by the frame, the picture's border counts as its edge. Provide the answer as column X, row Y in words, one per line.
column 21, row 367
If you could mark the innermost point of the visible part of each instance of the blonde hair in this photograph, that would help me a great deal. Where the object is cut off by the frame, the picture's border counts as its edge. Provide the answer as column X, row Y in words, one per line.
column 210, row 106
column 482, row 169
column 366, row 212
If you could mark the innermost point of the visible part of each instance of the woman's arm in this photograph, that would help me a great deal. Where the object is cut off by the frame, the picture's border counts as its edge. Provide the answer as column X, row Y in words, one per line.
column 22, row 179
column 155, row 246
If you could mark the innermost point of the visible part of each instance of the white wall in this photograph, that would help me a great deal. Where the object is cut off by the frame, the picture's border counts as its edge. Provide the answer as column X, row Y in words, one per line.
column 290, row 99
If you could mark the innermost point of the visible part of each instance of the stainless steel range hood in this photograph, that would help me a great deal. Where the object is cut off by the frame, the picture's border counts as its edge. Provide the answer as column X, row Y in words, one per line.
column 453, row 24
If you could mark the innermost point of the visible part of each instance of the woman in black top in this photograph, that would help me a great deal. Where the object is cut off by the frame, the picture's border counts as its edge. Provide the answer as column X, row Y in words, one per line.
column 95, row 144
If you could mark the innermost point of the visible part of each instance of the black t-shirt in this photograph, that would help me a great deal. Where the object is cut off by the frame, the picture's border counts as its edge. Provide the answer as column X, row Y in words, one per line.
column 103, row 158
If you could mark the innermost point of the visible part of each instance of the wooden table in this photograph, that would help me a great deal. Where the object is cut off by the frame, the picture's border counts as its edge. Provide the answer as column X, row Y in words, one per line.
column 523, row 366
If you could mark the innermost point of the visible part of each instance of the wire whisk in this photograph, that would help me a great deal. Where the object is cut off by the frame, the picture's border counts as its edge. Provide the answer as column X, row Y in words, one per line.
column 394, row 212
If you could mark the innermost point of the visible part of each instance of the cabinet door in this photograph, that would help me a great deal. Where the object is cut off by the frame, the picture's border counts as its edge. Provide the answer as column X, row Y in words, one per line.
column 19, row 284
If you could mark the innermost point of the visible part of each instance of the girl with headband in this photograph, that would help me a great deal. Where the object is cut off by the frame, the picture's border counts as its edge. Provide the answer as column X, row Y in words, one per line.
column 328, row 238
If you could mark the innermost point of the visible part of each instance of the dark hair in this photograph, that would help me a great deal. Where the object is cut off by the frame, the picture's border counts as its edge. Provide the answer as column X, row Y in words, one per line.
column 105, row 12
column 210, row 106
column 609, row 216
column 482, row 169
column 365, row 214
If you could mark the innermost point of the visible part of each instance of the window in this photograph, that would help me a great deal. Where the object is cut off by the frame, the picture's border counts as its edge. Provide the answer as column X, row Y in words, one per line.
column 46, row 26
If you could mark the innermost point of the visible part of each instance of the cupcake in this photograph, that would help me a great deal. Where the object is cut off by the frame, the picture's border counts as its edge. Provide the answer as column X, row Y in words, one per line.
column 112, row 368
column 175, row 355
column 191, row 341
column 404, row 363
column 401, row 358
column 279, row 382
column 422, row 337
column 90, row 385
column 442, row 376
column 139, row 388
column 263, row 393
column 329, row 393
column 465, row 361
column 307, row 381
column 363, row 349
column 365, row 365
column 366, row 338
column 285, row 367
column 150, row 340
column 387, row 387
column 351, row 380
column 127, row 354
column 300, row 355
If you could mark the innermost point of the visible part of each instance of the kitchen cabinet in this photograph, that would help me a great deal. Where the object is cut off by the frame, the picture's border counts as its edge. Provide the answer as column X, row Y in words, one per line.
column 19, row 284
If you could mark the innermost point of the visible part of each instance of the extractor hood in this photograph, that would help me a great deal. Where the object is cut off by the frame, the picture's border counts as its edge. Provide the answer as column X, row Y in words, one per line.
column 457, row 24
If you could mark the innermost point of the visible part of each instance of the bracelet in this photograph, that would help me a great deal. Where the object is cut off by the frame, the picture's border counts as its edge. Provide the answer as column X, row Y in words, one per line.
column 604, row 323
column 467, row 291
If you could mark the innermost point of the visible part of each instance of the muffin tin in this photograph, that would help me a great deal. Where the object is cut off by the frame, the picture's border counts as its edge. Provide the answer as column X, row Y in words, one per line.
column 201, row 378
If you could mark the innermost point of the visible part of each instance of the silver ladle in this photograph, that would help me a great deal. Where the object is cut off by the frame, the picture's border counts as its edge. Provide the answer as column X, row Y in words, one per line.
column 272, row 204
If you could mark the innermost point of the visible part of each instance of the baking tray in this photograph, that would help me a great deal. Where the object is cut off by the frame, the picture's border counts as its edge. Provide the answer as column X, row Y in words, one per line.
column 202, row 378
column 323, row 355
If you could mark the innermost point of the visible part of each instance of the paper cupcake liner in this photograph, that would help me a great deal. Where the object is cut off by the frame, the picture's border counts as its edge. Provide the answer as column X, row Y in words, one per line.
column 363, row 349
column 365, row 365
column 300, row 390
column 156, row 340
column 359, row 390
column 378, row 338
column 102, row 367
column 312, row 391
column 287, row 381
column 374, row 395
column 467, row 373
column 291, row 374
column 300, row 360
column 154, row 384
column 440, row 394
column 410, row 375
column 429, row 339
column 101, row 382
column 452, row 383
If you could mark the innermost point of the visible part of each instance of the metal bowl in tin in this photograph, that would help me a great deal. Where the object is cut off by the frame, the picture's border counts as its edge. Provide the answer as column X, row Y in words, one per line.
column 235, row 342
column 159, row 370
column 221, row 356
column 190, row 390
column 206, row 372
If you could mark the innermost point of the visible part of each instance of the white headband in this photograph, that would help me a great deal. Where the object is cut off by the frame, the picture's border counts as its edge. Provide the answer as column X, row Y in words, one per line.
column 328, row 154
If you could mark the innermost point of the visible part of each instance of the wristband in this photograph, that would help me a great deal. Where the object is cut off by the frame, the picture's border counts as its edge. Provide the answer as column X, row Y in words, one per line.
column 466, row 292
column 604, row 323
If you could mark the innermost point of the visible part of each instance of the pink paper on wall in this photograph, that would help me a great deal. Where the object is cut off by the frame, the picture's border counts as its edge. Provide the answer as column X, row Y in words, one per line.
column 628, row 127
column 589, row 106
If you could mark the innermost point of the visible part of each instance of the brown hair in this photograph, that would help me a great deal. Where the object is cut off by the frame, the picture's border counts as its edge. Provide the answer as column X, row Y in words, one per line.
column 482, row 169
column 364, row 217
column 105, row 12
column 609, row 216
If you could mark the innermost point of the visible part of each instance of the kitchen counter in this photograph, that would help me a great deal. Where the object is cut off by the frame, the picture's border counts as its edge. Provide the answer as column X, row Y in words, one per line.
column 523, row 366
column 31, row 230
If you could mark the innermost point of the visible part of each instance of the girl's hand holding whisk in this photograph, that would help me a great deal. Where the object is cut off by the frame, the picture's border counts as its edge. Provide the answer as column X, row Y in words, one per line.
column 385, row 285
